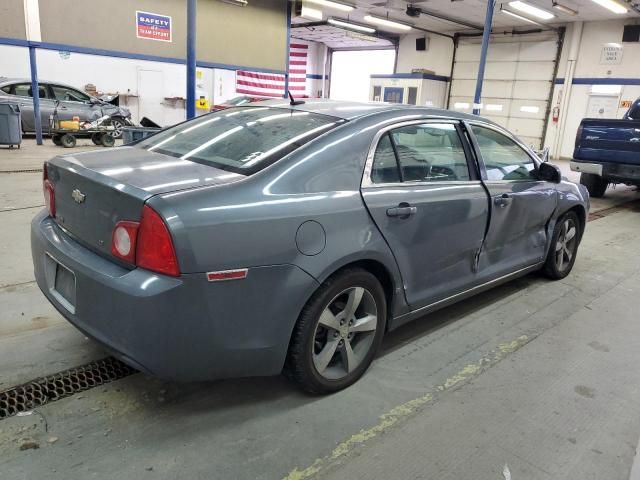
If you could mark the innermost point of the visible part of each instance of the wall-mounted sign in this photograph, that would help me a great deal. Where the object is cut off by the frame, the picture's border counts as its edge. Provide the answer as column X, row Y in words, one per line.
column 153, row 26
column 611, row 54
column 64, row 54
column 626, row 103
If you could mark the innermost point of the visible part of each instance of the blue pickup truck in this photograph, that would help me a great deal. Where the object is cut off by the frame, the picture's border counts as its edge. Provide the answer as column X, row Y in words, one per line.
column 608, row 151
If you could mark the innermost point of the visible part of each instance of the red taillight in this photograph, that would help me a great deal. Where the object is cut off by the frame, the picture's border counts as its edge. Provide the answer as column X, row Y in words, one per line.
column 124, row 239
column 49, row 193
column 154, row 249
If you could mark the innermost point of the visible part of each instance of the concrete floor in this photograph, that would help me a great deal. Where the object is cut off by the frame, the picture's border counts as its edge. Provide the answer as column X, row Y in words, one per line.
column 533, row 379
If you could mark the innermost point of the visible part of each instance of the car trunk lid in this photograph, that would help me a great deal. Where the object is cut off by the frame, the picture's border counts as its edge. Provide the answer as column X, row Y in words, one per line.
column 96, row 190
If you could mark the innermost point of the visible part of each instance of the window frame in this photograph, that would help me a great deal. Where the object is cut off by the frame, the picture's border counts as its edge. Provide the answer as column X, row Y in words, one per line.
column 474, row 175
column 478, row 153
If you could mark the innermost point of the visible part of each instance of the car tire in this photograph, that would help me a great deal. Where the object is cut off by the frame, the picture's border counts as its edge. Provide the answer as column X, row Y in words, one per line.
column 118, row 124
column 564, row 247
column 333, row 344
column 95, row 138
column 56, row 140
column 68, row 141
column 107, row 140
column 596, row 185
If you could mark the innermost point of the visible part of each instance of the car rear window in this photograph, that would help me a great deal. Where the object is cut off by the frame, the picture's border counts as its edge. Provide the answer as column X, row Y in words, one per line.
column 242, row 140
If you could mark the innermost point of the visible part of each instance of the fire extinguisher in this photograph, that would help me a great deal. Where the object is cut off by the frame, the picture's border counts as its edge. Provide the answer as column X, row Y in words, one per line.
column 555, row 114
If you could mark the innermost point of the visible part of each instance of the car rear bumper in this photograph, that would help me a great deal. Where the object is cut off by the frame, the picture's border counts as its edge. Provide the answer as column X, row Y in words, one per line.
column 182, row 328
column 615, row 172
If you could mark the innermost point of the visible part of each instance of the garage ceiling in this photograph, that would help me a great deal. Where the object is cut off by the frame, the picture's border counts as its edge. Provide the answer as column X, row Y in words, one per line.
column 337, row 38
column 469, row 11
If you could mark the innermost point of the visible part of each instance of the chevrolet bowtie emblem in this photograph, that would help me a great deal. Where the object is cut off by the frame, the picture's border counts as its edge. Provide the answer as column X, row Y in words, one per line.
column 78, row 196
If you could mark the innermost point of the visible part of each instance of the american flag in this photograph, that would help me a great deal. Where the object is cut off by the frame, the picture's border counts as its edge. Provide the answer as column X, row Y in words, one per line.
column 258, row 84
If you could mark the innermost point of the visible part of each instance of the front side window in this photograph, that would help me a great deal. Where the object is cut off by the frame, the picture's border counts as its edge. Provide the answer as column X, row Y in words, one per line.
column 65, row 94
column 243, row 139
column 503, row 158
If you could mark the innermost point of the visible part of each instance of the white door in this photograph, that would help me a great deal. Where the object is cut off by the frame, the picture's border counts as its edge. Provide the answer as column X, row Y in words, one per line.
column 517, row 83
column 151, row 95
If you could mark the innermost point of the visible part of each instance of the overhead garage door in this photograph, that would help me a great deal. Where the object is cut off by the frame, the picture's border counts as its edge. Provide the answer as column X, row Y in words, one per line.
column 517, row 86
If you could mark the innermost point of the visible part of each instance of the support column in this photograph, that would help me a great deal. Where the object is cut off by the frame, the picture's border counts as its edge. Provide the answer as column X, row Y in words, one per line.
column 35, row 90
column 488, row 20
column 574, row 49
column 287, row 52
column 34, row 37
column 191, row 58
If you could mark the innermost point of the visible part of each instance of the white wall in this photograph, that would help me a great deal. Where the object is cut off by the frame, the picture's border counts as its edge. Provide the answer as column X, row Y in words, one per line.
column 437, row 57
column 594, row 36
column 120, row 75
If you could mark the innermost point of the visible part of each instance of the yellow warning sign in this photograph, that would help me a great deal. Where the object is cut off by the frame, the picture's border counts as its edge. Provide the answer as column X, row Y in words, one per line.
column 202, row 104
column 626, row 103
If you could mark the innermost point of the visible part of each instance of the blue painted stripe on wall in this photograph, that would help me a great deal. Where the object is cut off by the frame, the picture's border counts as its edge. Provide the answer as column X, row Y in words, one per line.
column 601, row 81
column 13, row 41
column 316, row 76
column 132, row 56
column 425, row 76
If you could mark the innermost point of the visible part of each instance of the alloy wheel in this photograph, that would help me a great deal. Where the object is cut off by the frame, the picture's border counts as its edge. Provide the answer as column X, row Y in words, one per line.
column 566, row 245
column 118, row 126
column 345, row 333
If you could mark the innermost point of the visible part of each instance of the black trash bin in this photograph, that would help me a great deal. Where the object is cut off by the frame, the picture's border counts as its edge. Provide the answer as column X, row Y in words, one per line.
column 10, row 124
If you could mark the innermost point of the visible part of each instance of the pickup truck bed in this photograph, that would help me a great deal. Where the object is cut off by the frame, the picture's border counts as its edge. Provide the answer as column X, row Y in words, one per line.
column 608, row 151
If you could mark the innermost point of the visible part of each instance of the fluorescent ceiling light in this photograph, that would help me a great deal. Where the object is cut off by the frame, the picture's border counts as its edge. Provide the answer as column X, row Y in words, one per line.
column 351, row 26
column 310, row 13
column 531, row 10
column 343, row 7
column 564, row 9
column 515, row 15
column 383, row 22
column 237, row 3
column 612, row 5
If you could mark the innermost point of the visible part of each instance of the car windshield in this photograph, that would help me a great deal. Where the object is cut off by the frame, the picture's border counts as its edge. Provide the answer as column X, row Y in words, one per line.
column 242, row 140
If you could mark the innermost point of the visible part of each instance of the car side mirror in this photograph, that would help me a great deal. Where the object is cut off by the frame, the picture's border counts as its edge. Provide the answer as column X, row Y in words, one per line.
column 549, row 172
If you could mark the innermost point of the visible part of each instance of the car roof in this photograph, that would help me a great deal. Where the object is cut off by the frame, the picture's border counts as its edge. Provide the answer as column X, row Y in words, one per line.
column 351, row 110
column 7, row 80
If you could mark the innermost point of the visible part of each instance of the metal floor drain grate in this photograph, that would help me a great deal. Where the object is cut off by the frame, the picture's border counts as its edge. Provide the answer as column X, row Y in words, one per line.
column 47, row 389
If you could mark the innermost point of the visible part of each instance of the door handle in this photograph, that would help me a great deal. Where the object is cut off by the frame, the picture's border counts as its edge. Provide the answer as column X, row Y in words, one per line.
column 503, row 200
column 403, row 210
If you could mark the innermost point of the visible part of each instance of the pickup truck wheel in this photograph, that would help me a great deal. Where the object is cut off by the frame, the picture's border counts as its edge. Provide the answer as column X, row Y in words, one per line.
column 596, row 185
column 564, row 247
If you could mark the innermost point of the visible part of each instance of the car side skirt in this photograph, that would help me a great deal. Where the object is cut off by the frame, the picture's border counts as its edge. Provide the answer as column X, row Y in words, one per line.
column 402, row 319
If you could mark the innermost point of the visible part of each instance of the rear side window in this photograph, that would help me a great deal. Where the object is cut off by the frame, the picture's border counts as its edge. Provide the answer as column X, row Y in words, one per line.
column 385, row 166
column 425, row 153
column 503, row 158
column 242, row 140
column 24, row 90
